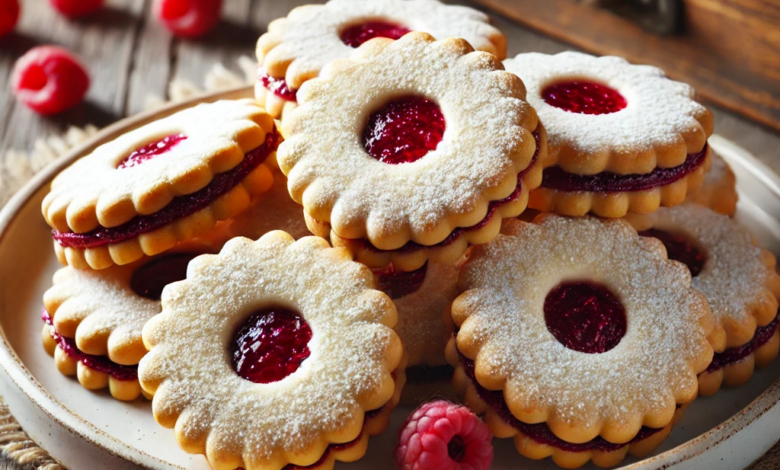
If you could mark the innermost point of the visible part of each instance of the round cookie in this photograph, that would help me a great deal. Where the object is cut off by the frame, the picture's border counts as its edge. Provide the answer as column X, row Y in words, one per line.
column 296, row 48
column 416, row 165
column 625, row 138
column 161, row 184
column 719, row 189
column 555, row 336
column 313, row 366
column 737, row 277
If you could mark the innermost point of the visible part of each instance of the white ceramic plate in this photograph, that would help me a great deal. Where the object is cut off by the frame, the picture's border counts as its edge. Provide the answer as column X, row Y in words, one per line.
column 86, row 430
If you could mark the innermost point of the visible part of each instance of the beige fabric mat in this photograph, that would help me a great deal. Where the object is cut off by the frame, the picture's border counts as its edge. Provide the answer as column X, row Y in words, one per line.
column 17, row 450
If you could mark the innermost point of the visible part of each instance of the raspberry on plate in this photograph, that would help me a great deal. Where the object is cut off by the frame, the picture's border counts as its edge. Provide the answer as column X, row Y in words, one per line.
column 188, row 18
column 76, row 8
column 9, row 15
column 49, row 80
column 444, row 436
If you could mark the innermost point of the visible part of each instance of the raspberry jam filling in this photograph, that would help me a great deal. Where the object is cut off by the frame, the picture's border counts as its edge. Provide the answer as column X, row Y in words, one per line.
column 556, row 178
column 398, row 284
column 354, row 36
column 584, row 97
column 404, row 131
column 270, row 345
column 178, row 208
column 96, row 363
column 149, row 151
column 540, row 432
column 585, row 317
column 733, row 355
column 679, row 248
column 277, row 86
column 149, row 280
column 492, row 208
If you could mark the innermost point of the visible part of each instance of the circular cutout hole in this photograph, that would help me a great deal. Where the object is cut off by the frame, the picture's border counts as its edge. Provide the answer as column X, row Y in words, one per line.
column 680, row 247
column 149, row 151
column 150, row 279
column 356, row 35
column 404, row 130
column 397, row 284
column 584, row 97
column 270, row 345
column 585, row 317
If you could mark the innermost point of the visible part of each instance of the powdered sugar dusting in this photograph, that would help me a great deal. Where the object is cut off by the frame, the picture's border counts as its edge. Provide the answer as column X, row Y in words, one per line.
column 308, row 38
column 507, row 281
column 420, row 324
column 487, row 141
column 660, row 114
column 734, row 278
column 353, row 350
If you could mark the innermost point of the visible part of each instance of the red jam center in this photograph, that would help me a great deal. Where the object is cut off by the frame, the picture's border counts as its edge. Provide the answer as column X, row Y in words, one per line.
column 584, row 97
column 277, row 86
column 155, row 149
column 270, row 345
column 585, row 317
column 679, row 248
column 404, row 131
column 356, row 35
column 150, row 279
column 397, row 284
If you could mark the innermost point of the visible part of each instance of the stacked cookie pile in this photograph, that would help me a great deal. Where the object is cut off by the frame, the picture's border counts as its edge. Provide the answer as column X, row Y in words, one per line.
column 393, row 132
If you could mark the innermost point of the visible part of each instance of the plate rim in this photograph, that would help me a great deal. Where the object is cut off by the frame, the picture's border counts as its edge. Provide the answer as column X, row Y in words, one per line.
column 27, row 384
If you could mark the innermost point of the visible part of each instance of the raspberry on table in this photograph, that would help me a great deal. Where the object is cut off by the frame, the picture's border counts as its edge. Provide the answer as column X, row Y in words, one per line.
column 188, row 18
column 49, row 80
column 441, row 435
column 9, row 15
column 76, row 8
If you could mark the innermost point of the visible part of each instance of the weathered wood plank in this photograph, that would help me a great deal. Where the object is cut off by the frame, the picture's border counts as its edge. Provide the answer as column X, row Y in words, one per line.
column 104, row 41
column 150, row 69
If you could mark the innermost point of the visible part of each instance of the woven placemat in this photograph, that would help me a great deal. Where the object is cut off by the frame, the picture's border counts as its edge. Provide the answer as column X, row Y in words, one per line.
column 17, row 450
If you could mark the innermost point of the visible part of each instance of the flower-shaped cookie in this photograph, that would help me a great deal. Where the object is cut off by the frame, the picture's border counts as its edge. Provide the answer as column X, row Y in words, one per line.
column 160, row 184
column 593, row 339
column 296, row 48
column 719, row 189
column 737, row 277
column 295, row 355
column 441, row 140
column 625, row 137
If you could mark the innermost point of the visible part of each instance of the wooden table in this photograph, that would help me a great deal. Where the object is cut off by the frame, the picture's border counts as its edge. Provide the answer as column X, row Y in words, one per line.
column 131, row 57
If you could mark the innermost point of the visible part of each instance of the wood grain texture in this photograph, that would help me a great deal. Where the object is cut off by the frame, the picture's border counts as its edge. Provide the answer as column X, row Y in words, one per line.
column 730, row 50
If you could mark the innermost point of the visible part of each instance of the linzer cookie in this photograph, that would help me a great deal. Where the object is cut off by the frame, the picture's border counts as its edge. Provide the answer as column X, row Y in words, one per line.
column 719, row 189
column 93, row 319
column 738, row 279
column 161, row 184
column 296, row 363
column 420, row 161
column 625, row 137
column 578, row 350
column 296, row 48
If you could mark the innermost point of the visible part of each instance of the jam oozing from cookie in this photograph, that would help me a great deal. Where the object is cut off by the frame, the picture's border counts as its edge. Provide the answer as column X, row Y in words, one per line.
column 404, row 131
column 180, row 207
column 540, row 432
column 397, row 284
column 584, row 97
column 270, row 345
column 97, row 363
column 149, row 280
column 356, row 35
column 585, row 317
column 733, row 355
column 679, row 248
column 149, row 151
column 277, row 86
column 556, row 178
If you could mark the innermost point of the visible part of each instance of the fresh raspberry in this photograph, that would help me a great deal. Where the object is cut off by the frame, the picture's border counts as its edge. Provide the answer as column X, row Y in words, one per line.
column 440, row 435
column 76, row 8
column 9, row 15
column 188, row 18
column 49, row 80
